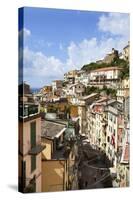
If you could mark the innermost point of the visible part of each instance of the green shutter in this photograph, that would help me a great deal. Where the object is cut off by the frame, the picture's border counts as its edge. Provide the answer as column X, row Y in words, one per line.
column 33, row 163
column 33, row 134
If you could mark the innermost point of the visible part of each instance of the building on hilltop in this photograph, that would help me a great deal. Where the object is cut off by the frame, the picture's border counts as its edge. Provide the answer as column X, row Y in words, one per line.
column 106, row 76
column 110, row 57
column 126, row 52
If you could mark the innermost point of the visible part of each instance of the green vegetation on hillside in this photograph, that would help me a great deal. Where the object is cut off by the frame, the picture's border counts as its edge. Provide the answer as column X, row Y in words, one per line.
column 90, row 90
column 117, row 62
column 124, row 65
column 107, row 91
column 93, row 66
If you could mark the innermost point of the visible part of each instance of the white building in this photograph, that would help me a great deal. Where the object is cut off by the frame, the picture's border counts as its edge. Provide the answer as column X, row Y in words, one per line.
column 108, row 76
column 123, row 90
column 84, row 102
column 126, row 52
column 57, row 85
column 82, row 77
column 69, row 77
column 114, row 110
column 76, row 90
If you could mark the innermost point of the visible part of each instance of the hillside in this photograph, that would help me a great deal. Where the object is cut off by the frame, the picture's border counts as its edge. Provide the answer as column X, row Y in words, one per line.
column 117, row 62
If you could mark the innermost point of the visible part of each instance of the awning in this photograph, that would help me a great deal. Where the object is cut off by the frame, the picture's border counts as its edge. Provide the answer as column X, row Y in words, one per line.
column 60, row 133
column 37, row 149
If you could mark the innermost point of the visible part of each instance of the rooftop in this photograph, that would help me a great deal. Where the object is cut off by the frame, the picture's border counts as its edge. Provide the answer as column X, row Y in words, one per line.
column 57, row 81
column 106, row 69
column 51, row 129
column 88, row 96
column 102, row 99
column 75, row 84
column 127, row 46
column 111, row 101
column 116, row 104
column 62, row 153
column 37, row 149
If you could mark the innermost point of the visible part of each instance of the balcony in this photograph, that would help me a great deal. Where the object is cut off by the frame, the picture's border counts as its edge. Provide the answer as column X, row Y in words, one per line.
column 36, row 149
column 28, row 110
column 31, row 149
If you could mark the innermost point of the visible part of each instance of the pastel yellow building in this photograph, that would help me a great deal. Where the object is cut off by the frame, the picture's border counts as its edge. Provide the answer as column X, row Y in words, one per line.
column 58, row 159
column 29, row 145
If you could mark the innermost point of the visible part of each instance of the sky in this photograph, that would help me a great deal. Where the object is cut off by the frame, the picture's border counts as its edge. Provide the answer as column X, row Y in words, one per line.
column 56, row 41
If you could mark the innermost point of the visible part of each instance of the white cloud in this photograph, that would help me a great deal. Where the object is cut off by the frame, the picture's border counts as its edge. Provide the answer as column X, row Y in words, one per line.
column 61, row 46
column 90, row 50
column 23, row 35
column 26, row 32
column 39, row 68
column 49, row 44
column 115, row 23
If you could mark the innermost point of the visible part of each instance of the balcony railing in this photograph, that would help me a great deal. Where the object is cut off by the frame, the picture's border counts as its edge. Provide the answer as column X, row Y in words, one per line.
column 37, row 148
column 28, row 110
column 27, row 148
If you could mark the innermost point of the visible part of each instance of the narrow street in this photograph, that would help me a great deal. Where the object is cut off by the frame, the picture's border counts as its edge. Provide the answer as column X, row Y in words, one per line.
column 93, row 168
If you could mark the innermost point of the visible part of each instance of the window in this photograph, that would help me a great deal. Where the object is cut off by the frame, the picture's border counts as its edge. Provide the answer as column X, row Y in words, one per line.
column 108, row 139
column 33, row 163
column 114, row 119
column 33, row 134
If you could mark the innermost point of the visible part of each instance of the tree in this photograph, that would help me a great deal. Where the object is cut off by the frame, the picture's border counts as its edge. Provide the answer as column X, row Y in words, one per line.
column 92, row 89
